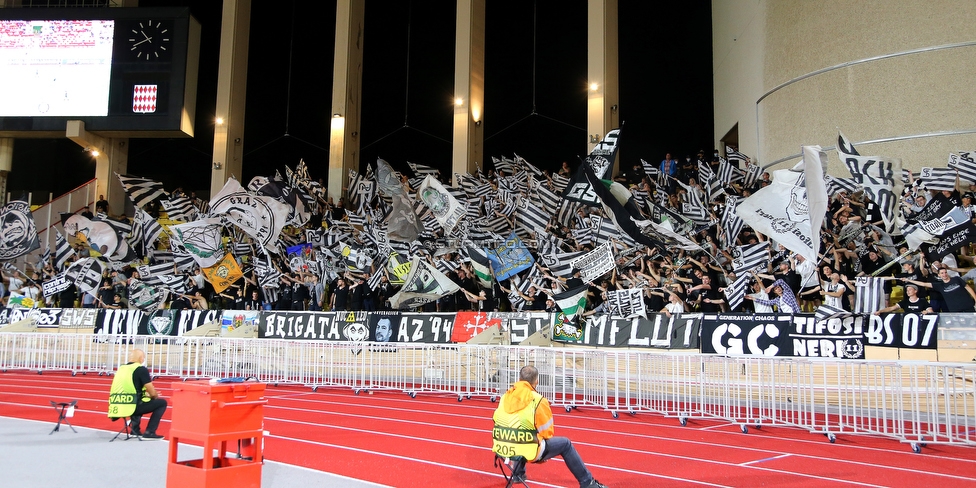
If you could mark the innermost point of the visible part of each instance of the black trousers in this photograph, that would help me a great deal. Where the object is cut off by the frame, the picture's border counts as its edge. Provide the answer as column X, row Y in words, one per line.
column 157, row 407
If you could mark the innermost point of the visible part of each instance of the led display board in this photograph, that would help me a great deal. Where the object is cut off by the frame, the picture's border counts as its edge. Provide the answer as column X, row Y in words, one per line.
column 125, row 72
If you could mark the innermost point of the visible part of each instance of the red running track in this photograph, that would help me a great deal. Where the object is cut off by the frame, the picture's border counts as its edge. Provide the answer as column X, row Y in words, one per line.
column 434, row 440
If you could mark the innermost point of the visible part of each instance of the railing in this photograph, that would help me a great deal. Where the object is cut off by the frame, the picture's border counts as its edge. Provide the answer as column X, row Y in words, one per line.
column 47, row 216
column 912, row 402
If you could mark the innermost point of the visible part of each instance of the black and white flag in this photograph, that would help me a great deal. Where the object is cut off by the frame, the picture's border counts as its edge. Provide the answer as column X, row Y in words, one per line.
column 735, row 293
column 18, row 234
column 880, row 178
column 260, row 217
column 870, row 294
column 965, row 163
column 749, row 257
column 180, row 208
column 939, row 179
column 62, row 250
column 141, row 191
column 626, row 303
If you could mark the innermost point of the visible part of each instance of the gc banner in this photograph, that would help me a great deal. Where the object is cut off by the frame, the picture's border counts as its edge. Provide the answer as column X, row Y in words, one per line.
column 657, row 330
column 752, row 335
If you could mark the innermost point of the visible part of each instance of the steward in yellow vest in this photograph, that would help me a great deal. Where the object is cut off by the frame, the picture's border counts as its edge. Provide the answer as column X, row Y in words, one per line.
column 122, row 398
column 524, row 427
column 133, row 394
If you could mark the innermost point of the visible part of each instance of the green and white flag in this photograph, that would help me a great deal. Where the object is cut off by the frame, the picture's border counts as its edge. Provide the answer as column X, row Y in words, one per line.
column 572, row 302
column 200, row 239
column 481, row 266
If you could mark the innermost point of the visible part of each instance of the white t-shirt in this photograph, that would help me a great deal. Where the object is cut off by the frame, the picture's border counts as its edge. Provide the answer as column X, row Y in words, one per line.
column 808, row 274
column 675, row 307
column 836, row 302
column 760, row 307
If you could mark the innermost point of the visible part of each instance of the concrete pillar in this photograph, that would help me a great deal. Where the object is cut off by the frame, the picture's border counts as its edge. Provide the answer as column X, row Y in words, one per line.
column 469, row 86
column 111, row 157
column 228, row 148
column 347, row 84
column 603, row 94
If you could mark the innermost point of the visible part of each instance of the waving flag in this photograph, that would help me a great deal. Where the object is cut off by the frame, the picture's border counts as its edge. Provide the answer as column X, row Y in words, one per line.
column 200, row 239
column 791, row 209
column 880, row 178
column 481, row 266
column 141, row 191
column 260, row 217
column 224, row 273
column 510, row 258
column 423, row 285
column 18, row 235
column 939, row 179
column 736, row 291
column 572, row 302
column 62, row 250
column 402, row 223
column 965, row 163
column 442, row 204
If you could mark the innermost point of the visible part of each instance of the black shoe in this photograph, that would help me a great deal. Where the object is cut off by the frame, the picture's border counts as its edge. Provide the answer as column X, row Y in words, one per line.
column 135, row 431
column 154, row 436
column 595, row 484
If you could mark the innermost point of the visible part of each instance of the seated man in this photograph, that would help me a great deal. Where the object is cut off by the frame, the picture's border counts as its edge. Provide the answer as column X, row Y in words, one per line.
column 133, row 394
column 524, row 427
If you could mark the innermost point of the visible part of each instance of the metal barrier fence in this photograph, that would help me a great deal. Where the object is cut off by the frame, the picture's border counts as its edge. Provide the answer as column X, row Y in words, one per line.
column 912, row 402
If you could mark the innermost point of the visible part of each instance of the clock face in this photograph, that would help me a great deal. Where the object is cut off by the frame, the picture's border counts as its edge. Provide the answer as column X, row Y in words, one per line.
column 149, row 40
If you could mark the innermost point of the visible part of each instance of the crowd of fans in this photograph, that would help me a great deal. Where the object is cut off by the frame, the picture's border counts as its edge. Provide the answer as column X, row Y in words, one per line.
column 854, row 244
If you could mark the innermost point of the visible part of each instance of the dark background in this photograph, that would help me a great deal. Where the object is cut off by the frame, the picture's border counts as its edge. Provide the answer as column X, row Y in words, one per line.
column 535, row 100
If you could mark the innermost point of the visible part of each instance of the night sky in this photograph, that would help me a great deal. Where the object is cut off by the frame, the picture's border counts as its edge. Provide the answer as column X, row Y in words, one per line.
column 535, row 100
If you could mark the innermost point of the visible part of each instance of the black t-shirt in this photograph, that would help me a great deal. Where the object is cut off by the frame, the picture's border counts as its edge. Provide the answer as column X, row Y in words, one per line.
column 916, row 307
column 139, row 379
column 955, row 298
column 341, row 297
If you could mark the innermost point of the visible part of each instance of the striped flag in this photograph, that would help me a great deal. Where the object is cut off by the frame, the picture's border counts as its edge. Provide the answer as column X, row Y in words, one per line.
column 752, row 175
column 870, row 294
column 559, row 183
column 141, row 191
column 826, row 312
column 62, row 250
column 727, row 173
column 180, row 208
column 731, row 223
column 531, row 216
column 736, row 291
column 45, row 257
column 481, row 266
column 939, row 179
column 747, row 258
column 572, row 302
column 503, row 165
column 421, row 171
column 965, row 163
column 705, row 172
column 151, row 230
column 650, row 170
column 735, row 157
column 836, row 185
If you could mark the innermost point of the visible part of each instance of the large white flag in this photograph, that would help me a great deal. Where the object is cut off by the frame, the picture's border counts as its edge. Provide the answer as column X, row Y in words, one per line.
column 260, row 217
column 200, row 239
column 789, row 224
column 423, row 285
column 442, row 204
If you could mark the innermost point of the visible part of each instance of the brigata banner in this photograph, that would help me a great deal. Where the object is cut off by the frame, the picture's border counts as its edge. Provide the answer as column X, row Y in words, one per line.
column 657, row 331
column 357, row 326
